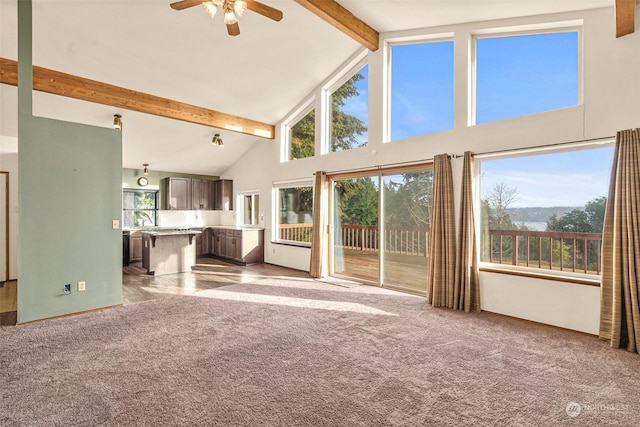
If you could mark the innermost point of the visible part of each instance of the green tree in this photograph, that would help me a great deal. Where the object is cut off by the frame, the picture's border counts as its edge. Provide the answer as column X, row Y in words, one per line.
column 302, row 137
column 408, row 203
column 345, row 128
column 357, row 201
column 587, row 220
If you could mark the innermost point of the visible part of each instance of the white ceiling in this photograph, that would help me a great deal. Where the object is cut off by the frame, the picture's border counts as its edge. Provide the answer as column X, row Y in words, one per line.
column 262, row 74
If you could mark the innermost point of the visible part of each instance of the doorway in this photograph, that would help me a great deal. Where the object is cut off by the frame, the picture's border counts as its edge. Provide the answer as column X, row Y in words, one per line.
column 380, row 224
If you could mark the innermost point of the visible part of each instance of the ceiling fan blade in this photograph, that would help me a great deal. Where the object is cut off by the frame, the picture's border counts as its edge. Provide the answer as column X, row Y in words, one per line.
column 184, row 4
column 233, row 29
column 264, row 10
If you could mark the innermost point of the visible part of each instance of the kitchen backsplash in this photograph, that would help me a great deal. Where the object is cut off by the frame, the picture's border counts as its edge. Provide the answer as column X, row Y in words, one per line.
column 170, row 218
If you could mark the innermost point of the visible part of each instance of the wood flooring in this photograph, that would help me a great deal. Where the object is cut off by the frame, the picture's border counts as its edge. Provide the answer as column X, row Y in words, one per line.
column 137, row 285
column 208, row 273
column 8, row 303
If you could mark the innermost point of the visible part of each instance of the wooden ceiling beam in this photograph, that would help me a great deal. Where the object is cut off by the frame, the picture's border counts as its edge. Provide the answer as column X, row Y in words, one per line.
column 625, row 17
column 58, row 83
column 343, row 20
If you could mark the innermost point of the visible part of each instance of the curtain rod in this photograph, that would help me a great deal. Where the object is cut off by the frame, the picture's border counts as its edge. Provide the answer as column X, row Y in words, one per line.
column 475, row 155
column 542, row 147
column 385, row 166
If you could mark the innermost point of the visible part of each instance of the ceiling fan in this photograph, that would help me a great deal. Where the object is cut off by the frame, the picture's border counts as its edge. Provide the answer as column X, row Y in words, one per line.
column 232, row 9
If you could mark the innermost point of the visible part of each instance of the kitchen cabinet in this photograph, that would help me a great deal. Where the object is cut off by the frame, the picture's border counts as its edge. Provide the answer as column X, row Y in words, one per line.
column 223, row 195
column 201, row 194
column 203, row 242
column 219, row 242
column 135, row 246
column 234, row 245
column 176, row 193
column 240, row 245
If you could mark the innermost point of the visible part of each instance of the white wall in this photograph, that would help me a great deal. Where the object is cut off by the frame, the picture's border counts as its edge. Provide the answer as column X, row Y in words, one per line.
column 9, row 163
column 611, row 93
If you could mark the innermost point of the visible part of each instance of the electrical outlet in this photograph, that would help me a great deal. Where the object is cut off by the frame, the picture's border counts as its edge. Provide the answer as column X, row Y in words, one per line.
column 115, row 224
column 67, row 288
column 81, row 286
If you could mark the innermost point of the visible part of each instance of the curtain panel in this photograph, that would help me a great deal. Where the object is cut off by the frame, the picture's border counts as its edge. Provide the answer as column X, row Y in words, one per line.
column 442, row 245
column 318, row 267
column 619, row 309
column 467, row 291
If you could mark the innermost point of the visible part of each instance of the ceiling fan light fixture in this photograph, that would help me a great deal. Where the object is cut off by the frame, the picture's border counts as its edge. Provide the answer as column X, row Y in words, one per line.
column 210, row 7
column 229, row 16
column 240, row 7
column 217, row 2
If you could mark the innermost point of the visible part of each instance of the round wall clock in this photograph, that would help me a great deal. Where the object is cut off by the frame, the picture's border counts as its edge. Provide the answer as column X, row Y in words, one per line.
column 143, row 181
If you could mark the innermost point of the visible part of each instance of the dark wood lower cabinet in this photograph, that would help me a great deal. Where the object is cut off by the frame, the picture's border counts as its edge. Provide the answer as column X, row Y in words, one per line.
column 240, row 245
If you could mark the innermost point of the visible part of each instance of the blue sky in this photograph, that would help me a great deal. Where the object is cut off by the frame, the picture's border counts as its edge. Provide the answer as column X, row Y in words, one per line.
column 515, row 76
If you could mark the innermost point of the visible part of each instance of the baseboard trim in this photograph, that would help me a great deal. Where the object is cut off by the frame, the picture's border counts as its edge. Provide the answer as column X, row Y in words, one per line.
column 540, row 323
column 62, row 316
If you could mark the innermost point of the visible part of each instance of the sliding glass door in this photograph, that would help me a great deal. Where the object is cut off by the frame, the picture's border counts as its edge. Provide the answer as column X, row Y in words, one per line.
column 355, row 228
column 396, row 219
column 406, row 216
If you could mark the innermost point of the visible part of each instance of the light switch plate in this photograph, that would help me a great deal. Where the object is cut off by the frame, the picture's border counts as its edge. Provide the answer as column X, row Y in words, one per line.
column 115, row 224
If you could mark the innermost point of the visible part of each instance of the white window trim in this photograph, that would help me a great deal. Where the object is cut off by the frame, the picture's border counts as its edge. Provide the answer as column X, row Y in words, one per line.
column 275, row 203
column 387, row 61
column 523, row 30
column 294, row 117
column 241, row 207
column 347, row 71
column 552, row 149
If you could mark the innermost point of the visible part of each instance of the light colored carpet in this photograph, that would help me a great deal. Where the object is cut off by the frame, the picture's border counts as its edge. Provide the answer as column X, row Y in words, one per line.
column 307, row 353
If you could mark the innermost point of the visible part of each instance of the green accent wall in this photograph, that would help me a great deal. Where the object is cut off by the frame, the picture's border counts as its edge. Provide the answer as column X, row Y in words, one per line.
column 70, row 190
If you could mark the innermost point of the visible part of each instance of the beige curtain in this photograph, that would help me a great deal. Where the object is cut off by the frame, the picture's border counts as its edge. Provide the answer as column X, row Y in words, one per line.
column 619, row 309
column 442, row 245
column 467, row 291
column 318, row 267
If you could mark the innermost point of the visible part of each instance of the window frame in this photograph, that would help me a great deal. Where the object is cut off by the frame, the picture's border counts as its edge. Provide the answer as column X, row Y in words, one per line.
column 277, row 186
column 347, row 72
column 141, row 190
column 388, row 62
column 256, row 216
column 293, row 119
column 523, row 30
column 532, row 272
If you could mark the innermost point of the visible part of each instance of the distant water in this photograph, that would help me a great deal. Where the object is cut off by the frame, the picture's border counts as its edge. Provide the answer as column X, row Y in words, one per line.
column 535, row 226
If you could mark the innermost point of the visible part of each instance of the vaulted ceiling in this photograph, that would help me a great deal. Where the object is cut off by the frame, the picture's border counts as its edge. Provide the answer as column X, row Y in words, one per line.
column 186, row 56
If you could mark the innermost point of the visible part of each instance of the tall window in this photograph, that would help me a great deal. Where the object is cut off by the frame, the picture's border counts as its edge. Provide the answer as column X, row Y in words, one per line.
column 250, row 208
column 302, row 136
column 382, row 238
column 421, row 88
column 545, row 211
column 525, row 74
column 139, row 208
column 294, row 204
column 349, row 110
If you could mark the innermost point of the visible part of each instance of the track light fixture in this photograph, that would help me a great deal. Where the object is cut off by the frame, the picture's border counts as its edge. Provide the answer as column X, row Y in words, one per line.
column 146, row 168
column 217, row 140
column 117, row 121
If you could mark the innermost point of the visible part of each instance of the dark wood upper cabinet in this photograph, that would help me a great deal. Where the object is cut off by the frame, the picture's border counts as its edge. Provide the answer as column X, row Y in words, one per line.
column 201, row 194
column 176, row 193
column 196, row 194
column 223, row 195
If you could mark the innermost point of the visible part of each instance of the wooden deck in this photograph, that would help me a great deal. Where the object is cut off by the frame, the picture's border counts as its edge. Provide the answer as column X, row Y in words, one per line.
column 406, row 273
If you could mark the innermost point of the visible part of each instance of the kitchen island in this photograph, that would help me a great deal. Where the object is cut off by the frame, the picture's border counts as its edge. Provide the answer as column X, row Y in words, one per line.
column 168, row 251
